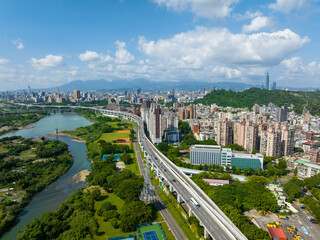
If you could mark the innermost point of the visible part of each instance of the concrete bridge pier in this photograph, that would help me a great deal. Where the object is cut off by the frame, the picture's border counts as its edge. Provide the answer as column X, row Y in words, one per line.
column 190, row 212
column 170, row 188
column 179, row 198
column 205, row 234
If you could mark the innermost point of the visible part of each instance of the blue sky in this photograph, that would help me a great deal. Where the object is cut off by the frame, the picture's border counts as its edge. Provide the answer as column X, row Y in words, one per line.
column 46, row 43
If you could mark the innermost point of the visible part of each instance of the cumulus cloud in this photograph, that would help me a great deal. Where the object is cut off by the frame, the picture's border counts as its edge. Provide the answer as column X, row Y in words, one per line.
column 4, row 61
column 89, row 56
column 202, row 8
column 48, row 62
column 287, row 6
column 295, row 66
column 102, row 62
column 219, row 46
column 258, row 23
column 122, row 55
column 19, row 44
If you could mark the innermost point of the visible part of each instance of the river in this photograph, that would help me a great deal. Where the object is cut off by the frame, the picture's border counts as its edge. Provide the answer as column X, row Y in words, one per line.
column 57, row 192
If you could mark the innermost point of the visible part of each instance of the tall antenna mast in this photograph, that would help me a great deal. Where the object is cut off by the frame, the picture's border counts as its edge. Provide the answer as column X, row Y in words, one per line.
column 57, row 131
column 147, row 195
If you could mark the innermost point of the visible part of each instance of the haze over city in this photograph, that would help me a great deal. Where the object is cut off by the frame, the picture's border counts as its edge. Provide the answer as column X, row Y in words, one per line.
column 50, row 43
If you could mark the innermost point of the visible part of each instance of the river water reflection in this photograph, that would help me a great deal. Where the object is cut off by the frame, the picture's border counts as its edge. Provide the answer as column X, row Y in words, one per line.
column 57, row 192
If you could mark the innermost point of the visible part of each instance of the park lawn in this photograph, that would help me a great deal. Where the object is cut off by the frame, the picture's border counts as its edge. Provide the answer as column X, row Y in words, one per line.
column 27, row 152
column 105, row 228
column 134, row 166
column 109, row 137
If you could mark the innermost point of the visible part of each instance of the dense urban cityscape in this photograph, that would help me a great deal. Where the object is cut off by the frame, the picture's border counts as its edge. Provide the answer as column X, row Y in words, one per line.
column 159, row 120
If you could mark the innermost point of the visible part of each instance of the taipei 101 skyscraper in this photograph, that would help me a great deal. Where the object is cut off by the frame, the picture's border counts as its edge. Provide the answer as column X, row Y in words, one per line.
column 267, row 83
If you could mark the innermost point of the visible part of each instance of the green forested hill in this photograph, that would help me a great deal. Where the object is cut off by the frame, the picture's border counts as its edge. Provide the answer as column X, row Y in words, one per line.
column 251, row 96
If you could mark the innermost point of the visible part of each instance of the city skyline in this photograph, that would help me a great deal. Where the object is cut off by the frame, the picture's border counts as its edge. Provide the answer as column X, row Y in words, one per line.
column 47, row 44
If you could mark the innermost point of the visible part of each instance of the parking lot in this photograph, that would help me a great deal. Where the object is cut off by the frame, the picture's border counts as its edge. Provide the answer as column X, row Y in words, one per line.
column 298, row 220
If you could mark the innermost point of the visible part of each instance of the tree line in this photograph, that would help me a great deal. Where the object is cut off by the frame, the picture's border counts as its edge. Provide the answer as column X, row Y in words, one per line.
column 29, row 176
column 236, row 198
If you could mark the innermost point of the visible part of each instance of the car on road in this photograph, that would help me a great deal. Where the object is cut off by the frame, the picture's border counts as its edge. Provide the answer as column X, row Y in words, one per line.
column 173, row 180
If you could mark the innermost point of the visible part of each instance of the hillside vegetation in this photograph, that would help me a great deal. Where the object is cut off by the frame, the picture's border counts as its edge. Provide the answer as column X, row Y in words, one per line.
column 249, row 97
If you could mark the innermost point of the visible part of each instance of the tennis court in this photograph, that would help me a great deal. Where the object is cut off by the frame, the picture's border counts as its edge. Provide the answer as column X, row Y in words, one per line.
column 151, row 235
column 150, row 231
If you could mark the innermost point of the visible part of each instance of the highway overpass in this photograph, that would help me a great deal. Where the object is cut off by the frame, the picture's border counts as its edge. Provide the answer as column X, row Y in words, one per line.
column 216, row 224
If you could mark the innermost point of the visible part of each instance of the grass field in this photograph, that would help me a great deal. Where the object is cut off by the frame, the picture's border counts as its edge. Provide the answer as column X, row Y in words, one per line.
column 109, row 137
column 144, row 229
column 105, row 228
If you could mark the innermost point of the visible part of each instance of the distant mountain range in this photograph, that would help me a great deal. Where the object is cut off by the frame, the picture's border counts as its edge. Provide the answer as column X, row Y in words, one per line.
column 144, row 84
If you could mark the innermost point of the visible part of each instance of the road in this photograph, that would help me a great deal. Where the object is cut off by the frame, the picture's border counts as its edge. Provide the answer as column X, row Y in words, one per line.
column 200, row 212
column 219, row 226
column 313, row 229
column 212, row 218
column 171, row 222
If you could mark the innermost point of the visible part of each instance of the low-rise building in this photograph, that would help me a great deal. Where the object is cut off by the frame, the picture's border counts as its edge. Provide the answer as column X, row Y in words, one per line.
column 205, row 154
column 307, row 169
column 213, row 154
column 244, row 160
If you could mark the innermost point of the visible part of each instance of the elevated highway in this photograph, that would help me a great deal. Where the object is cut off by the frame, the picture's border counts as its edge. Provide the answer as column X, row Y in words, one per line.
column 216, row 224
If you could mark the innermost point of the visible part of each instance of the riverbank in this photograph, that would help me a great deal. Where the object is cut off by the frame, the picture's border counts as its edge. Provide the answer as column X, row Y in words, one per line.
column 14, row 122
column 31, row 178
column 65, row 184
column 78, row 139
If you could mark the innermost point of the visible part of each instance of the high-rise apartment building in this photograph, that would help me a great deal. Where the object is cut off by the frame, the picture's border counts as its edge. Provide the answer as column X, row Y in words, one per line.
column 282, row 114
column 263, row 138
column 76, row 94
column 287, row 141
column 251, row 137
column 188, row 112
column 224, row 133
column 155, row 125
column 273, row 143
column 314, row 155
column 160, row 124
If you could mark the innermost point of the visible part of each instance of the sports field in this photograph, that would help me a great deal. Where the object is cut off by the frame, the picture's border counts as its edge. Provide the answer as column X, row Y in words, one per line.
column 150, row 232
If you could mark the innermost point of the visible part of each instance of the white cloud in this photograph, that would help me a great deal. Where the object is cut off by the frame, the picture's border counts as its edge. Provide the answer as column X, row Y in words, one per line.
column 247, row 15
column 295, row 66
column 19, row 44
column 287, row 6
column 89, row 56
column 202, row 8
column 194, row 49
column 258, row 23
column 226, row 72
column 122, row 55
column 102, row 62
column 4, row 61
column 48, row 62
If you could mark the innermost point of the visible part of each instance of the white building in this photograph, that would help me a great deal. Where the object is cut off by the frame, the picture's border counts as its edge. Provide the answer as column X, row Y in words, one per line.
column 205, row 154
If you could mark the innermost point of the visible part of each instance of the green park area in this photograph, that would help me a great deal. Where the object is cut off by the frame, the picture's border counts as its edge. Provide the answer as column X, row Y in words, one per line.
column 27, row 166
column 108, row 137
column 110, row 205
